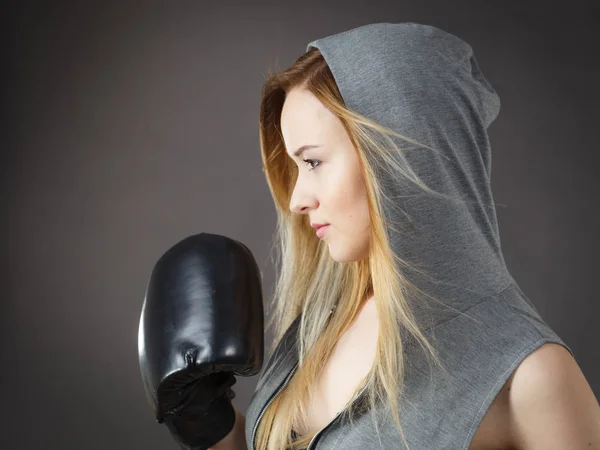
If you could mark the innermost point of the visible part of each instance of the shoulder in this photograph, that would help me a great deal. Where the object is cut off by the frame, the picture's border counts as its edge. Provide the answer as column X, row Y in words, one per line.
column 551, row 404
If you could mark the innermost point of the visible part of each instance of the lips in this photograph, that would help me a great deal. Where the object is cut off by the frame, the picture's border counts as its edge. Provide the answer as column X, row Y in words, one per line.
column 321, row 230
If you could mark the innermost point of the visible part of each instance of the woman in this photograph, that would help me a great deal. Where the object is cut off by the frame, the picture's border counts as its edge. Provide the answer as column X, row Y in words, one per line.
column 398, row 324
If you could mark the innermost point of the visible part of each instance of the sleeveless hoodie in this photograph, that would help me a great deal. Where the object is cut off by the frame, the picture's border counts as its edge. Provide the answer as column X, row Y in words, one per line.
column 425, row 84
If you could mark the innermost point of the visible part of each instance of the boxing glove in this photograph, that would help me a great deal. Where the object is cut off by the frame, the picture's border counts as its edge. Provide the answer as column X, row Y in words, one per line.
column 201, row 324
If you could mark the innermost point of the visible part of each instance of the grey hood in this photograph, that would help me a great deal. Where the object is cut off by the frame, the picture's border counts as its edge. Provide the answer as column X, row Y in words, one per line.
column 425, row 84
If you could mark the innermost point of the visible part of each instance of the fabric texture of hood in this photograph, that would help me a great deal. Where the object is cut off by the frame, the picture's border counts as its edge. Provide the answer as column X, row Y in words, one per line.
column 425, row 84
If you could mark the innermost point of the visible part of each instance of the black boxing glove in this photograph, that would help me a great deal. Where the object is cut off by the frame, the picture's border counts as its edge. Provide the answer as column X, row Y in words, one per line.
column 202, row 323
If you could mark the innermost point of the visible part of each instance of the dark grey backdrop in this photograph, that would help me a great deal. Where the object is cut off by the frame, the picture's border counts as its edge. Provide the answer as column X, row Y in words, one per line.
column 131, row 125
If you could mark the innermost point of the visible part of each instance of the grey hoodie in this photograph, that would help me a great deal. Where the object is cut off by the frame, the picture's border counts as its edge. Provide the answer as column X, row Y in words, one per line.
column 425, row 83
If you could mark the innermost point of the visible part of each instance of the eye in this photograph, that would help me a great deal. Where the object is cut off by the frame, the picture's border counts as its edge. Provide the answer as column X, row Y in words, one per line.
column 307, row 161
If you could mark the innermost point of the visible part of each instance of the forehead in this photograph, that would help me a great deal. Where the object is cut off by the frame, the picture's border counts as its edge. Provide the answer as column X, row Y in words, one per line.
column 305, row 120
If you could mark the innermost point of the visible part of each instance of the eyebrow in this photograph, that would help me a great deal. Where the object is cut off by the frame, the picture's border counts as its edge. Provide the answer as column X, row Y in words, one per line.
column 298, row 152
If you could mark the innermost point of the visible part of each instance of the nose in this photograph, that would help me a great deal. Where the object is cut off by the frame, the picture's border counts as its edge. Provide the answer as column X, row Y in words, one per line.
column 302, row 200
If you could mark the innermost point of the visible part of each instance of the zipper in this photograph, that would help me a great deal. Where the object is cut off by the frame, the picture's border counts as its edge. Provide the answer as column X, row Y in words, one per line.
column 332, row 420
column 275, row 395
column 269, row 402
column 331, row 311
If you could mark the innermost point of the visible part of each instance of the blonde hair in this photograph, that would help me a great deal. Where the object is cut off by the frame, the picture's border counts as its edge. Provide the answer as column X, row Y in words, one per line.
column 309, row 281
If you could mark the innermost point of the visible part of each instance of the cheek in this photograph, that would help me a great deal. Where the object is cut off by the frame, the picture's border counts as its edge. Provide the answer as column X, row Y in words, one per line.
column 349, row 204
column 360, row 208
column 363, row 220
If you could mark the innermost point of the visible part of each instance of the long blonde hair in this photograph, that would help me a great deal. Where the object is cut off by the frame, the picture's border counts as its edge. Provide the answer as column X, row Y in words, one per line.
column 310, row 282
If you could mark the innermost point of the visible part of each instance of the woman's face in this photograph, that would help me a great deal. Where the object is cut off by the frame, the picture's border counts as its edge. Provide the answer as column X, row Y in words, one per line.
column 330, row 188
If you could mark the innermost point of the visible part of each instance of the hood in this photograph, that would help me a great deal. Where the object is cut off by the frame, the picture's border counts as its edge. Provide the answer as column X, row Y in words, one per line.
column 425, row 84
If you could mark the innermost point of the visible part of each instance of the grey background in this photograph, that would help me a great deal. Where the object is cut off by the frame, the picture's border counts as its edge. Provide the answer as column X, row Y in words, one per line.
column 128, row 126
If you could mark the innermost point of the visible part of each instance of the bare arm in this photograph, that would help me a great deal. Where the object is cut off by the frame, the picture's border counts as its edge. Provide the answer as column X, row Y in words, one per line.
column 236, row 439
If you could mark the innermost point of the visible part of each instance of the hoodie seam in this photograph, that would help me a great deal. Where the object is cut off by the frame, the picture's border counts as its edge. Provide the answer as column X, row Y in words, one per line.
column 483, row 300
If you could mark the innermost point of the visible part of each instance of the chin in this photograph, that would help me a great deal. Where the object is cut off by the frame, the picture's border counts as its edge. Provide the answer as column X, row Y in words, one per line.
column 349, row 255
